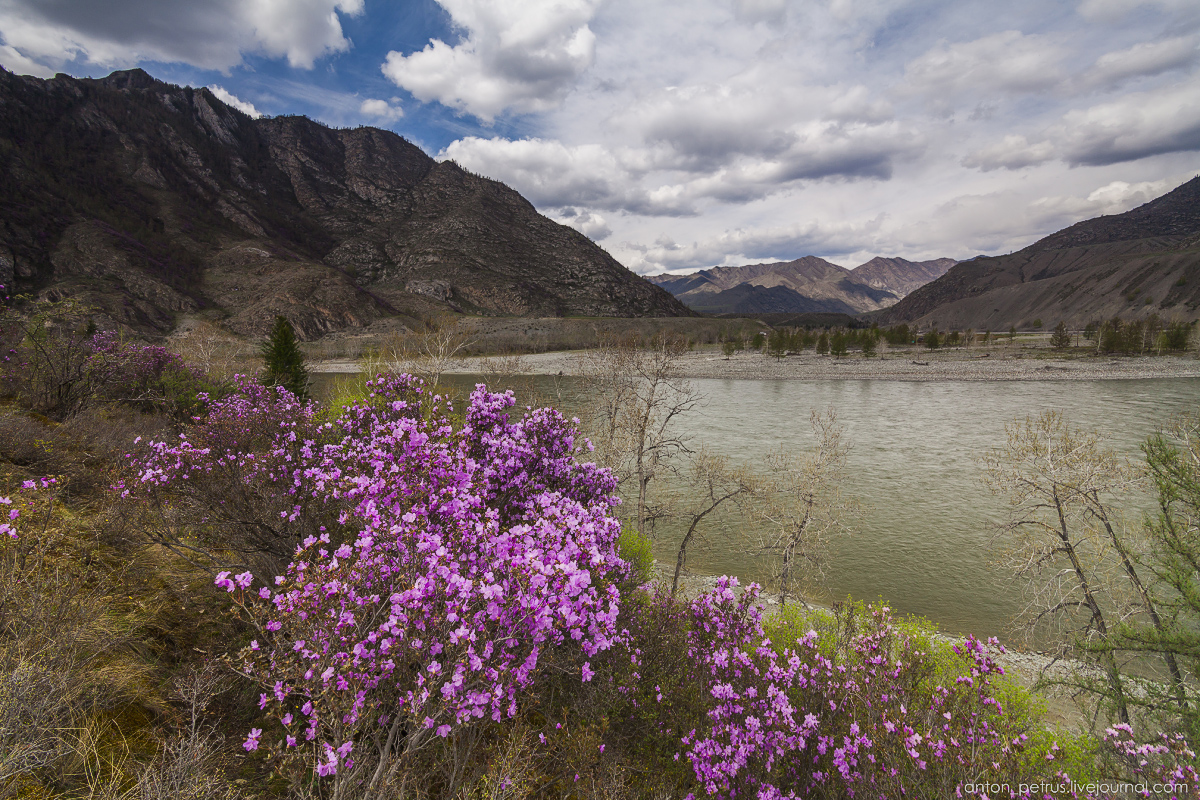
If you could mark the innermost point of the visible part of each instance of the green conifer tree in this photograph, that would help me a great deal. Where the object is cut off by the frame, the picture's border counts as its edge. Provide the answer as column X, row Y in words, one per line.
column 284, row 361
column 1061, row 338
column 838, row 344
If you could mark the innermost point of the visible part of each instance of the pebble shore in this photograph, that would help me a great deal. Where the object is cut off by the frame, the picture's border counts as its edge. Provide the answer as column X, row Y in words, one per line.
column 998, row 364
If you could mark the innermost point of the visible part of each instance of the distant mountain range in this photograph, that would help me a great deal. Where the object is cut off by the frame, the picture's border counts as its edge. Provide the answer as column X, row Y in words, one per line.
column 147, row 201
column 1130, row 265
column 808, row 284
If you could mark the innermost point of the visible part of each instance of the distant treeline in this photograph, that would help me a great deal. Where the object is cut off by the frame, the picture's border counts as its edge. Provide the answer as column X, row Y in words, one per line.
column 1140, row 335
column 1133, row 337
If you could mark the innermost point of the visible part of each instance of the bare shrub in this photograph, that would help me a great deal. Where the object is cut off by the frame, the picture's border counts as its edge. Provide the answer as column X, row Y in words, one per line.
column 711, row 483
column 637, row 397
column 84, row 451
column 806, row 506
column 64, row 655
column 191, row 763
column 426, row 352
column 214, row 350
column 1061, row 540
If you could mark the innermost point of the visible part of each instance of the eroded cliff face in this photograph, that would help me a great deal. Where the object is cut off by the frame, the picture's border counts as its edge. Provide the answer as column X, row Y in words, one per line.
column 147, row 200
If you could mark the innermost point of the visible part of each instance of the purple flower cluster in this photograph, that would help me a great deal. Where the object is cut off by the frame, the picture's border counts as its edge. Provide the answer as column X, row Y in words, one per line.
column 31, row 495
column 1165, row 763
column 466, row 556
column 868, row 720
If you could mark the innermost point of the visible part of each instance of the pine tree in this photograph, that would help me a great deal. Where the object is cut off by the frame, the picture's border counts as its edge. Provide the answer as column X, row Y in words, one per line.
column 284, row 361
column 1061, row 338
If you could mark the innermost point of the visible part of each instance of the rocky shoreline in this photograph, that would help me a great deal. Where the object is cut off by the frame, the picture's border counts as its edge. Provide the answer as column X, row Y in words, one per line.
column 998, row 364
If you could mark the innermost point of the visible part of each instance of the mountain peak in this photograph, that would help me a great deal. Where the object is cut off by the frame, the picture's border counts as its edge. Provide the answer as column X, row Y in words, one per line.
column 804, row 285
column 135, row 78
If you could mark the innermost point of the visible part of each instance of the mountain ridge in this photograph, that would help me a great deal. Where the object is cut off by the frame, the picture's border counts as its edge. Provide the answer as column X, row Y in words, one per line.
column 1143, row 261
column 147, row 200
column 807, row 284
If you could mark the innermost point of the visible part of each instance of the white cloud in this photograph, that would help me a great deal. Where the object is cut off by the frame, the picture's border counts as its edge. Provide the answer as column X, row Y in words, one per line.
column 589, row 223
column 772, row 12
column 381, row 109
column 518, row 55
column 707, row 126
column 302, row 30
column 230, row 100
column 1014, row 152
column 1012, row 218
column 210, row 34
column 1114, row 10
column 13, row 61
column 768, row 243
column 1113, row 198
column 554, row 175
column 1144, row 59
column 1134, row 126
column 664, row 180
column 1008, row 61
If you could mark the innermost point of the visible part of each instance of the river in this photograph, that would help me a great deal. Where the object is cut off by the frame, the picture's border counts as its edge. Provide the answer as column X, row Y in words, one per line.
column 923, row 540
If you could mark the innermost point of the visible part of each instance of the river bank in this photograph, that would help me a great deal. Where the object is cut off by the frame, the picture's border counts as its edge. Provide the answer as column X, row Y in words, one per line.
column 997, row 364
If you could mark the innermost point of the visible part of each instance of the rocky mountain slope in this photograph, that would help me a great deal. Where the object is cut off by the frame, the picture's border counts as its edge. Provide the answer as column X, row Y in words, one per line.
column 1131, row 265
column 900, row 276
column 808, row 284
column 147, row 200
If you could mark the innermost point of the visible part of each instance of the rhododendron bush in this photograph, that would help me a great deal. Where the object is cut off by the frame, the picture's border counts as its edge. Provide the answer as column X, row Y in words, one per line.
column 467, row 558
column 242, row 483
column 872, row 714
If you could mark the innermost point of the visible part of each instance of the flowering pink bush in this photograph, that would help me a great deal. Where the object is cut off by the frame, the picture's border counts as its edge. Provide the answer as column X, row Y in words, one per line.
column 788, row 720
column 241, row 483
column 1167, row 763
column 145, row 375
column 466, row 560
column 58, row 369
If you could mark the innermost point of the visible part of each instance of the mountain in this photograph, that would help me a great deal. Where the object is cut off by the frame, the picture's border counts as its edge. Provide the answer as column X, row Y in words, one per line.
column 808, row 284
column 1143, row 261
column 147, row 200
column 899, row 276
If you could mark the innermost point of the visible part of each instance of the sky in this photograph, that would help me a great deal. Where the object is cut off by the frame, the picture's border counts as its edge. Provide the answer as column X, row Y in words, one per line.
column 685, row 134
